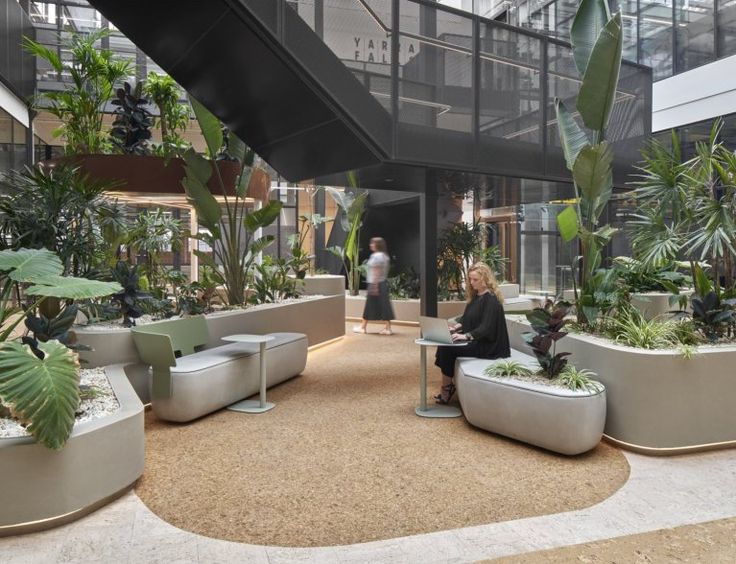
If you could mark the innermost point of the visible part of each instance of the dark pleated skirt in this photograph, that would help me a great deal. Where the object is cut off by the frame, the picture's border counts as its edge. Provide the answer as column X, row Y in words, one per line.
column 379, row 308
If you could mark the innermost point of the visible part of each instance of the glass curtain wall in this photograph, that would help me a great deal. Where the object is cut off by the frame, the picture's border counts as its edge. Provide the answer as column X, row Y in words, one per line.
column 55, row 20
column 671, row 36
column 13, row 147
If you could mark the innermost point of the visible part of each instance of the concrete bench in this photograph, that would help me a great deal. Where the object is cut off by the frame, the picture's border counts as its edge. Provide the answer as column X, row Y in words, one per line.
column 555, row 418
column 189, row 380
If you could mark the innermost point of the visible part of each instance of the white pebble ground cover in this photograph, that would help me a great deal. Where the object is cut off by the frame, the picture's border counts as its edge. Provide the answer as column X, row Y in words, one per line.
column 101, row 403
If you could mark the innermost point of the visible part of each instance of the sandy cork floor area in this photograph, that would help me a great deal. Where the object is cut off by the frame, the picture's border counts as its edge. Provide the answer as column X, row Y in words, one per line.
column 343, row 459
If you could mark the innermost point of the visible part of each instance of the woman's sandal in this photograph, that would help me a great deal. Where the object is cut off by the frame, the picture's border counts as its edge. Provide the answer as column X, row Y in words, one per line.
column 450, row 390
column 385, row 332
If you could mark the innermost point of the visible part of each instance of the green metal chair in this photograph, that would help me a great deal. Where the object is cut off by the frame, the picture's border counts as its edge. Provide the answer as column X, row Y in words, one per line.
column 160, row 344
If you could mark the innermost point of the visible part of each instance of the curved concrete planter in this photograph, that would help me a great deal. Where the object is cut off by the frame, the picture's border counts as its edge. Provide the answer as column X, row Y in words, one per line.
column 321, row 319
column 41, row 488
column 557, row 419
column 650, row 304
column 322, row 284
column 408, row 310
column 658, row 401
column 655, row 304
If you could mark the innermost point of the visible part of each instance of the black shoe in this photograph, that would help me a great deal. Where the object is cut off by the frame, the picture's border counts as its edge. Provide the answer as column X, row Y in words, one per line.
column 446, row 395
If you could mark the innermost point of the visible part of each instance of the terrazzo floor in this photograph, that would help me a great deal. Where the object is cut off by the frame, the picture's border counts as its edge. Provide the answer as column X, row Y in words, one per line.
column 661, row 493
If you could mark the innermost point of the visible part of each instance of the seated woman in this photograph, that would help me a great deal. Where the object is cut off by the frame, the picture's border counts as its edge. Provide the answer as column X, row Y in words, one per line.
column 482, row 324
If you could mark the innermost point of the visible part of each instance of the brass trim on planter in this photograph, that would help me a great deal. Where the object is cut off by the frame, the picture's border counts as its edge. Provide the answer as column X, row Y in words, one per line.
column 669, row 451
column 325, row 343
column 51, row 522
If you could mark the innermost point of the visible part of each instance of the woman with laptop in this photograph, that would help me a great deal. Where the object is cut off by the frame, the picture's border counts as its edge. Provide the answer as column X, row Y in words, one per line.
column 482, row 325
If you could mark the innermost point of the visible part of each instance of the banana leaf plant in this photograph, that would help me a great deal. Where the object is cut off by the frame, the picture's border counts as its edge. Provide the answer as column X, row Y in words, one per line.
column 597, row 39
column 39, row 383
column 231, row 228
column 353, row 204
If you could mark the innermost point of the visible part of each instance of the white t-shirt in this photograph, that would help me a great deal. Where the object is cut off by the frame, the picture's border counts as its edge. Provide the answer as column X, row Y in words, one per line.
column 378, row 265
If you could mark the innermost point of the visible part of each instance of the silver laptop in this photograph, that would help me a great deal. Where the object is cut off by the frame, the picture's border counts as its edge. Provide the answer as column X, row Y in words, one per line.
column 435, row 329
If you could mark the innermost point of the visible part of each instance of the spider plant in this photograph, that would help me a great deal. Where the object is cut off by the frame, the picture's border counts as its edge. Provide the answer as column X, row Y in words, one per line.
column 507, row 368
column 630, row 328
column 579, row 379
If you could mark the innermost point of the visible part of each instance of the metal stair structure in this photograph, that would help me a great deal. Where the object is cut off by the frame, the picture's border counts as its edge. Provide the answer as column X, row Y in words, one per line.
column 394, row 89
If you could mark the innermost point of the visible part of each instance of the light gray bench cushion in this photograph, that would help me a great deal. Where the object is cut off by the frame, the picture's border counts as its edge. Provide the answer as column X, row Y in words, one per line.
column 209, row 358
column 215, row 378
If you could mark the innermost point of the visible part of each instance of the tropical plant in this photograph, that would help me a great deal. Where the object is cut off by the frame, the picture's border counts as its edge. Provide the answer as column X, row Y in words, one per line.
column 661, row 194
column 547, row 323
column 43, row 329
column 632, row 329
column 712, row 203
column 302, row 259
column 93, row 73
column 153, row 233
column 507, row 368
column 59, row 209
column 231, row 232
column 272, row 282
column 405, row 285
column 713, row 316
column 352, row 203
column 131, row 128
column 597, row 40
column 189, row 299
column 173, row 117
column 579, row 379
column 458, row 248
column 640, row 277
column 130, row 297
column 688, row 207
column 39, row 381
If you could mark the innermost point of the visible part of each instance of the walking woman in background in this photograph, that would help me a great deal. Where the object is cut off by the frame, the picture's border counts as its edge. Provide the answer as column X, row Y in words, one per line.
column 378, row 303
column 482, row 324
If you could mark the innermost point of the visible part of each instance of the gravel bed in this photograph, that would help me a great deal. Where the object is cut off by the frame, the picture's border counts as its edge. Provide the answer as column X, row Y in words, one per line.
column 104, row 403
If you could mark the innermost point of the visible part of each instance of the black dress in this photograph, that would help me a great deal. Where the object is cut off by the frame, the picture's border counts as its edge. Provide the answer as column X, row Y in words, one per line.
column 484, row 319
column 378, row 303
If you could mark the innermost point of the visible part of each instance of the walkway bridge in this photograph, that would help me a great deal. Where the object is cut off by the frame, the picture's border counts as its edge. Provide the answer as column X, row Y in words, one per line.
column 394, row 88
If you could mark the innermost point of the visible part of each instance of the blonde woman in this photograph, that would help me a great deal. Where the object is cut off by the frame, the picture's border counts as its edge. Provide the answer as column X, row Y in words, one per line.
column 482, row 324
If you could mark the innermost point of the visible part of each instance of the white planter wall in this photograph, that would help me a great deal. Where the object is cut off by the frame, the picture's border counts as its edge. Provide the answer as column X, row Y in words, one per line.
column 408, row 310
column 557, row 419
column 321, row 319
column 41, row 488
column 658, row 401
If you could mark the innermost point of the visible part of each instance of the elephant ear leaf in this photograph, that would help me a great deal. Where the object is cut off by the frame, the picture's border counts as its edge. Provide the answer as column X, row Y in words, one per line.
column 42, row 393
column 29, row 265
column 73, row 288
